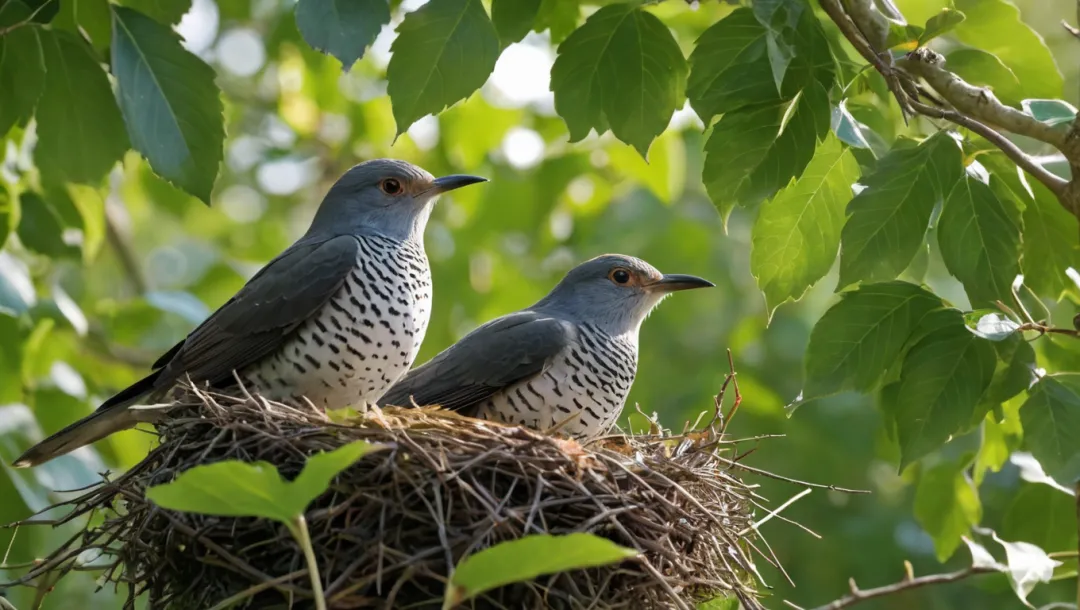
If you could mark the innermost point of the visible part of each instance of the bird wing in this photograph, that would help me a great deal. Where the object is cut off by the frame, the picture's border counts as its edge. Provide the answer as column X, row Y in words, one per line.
column 257, row 320
column 496, row 355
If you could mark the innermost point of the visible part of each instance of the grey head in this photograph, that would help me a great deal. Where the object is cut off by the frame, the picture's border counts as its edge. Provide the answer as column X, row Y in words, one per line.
column 383, row 196
column 615, row 292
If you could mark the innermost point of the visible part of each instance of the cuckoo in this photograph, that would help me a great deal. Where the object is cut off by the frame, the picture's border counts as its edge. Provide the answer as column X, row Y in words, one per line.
column 335, row 319
column 568, row 360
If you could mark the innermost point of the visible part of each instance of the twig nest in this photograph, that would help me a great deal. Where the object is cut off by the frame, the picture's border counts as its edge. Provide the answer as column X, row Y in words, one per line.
column 392, row 526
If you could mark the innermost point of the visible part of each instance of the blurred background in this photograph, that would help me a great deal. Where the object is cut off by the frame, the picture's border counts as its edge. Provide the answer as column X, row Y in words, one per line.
column 91, row 317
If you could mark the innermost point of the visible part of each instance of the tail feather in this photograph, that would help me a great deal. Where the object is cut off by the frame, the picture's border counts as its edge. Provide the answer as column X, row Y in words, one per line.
column 112, row 416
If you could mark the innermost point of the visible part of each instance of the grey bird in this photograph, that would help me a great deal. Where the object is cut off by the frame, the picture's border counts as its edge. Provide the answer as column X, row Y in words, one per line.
column 570, row 359
column 336, row 318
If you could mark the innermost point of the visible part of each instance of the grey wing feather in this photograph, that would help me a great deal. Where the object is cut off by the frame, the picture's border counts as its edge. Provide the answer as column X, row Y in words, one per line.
column 255, row 322
column 496, row 355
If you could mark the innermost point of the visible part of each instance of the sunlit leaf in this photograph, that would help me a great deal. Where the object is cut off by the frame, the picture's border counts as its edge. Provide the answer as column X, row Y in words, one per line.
column 665, row 172
column 342, row 28
column 1051, row 418
column 979, row 237
column 887, row 221
column 994, row 449
column 1022, row 49
column 622, row 69
column 170, row 102
column 797, row 233
column 754, row 152
column 528, row 557
column 8, row 215
column 444, row 51
column 983, row 69
column 1051, row 112
column 990, row 324
column 1028, row 565
column 946, row 506
column 76, row 142
column 239, row 489
column 514, row 18
column 558, row 17
column 22, row 76
column 857, row 339
column 942, row 379
column 11, row 355
column 165, row 11
column 940, row 24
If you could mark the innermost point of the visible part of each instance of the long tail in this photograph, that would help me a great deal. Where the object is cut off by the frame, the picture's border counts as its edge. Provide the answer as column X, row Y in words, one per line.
column 112, row 416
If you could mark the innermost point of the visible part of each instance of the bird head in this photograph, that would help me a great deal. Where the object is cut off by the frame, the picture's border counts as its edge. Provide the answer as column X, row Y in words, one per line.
column 386, row 196
column 615, row 292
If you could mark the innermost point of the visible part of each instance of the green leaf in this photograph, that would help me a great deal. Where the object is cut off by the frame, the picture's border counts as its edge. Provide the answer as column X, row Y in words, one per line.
column 444, row 51
column 528, row 557
column 76, row 142
column 1051, row 112
column 947, row 506
column 35, row 11
column 622, row 69
column 755, row 151
column 994, row 449
column 1051, row 419
column 342, row 28
column 16, row 287
column 1021, row 49
column 8, row 213
column 983, row 69
column 1043, row 516
column 40, row 228
column 169, row 12
column 1015, row 370
column 171, row 105
column 940, row 24
column 887, row 221
column 89, row 16
column 979, row 237
column 559, row 17
column 857, row 339
column 513, row 18
column 942, row 379
column 11, row 356
column 22, row 76
column 239, row 489
column 730, row 65
column 780, row 18
column 797, row 234
column 1051, row 243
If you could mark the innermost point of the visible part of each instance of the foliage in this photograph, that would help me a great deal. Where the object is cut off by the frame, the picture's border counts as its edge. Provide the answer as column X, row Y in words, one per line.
column 529, row 557
column 921, row 281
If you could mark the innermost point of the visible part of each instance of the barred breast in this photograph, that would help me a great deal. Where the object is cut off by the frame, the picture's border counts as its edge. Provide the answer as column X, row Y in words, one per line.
column 363, row 340
column 591, row 378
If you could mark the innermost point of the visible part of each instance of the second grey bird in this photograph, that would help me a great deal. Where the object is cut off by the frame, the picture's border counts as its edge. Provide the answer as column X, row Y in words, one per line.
column 336, row 318
column 571, row 355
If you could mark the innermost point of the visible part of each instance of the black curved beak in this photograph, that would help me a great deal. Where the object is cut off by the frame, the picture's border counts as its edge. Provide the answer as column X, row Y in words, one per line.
column 456, row 181
column 677, row 281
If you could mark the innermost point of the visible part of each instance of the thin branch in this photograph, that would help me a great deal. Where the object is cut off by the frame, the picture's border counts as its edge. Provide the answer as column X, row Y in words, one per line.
column 118, row 241
column 910, row 582
column 906, row 91
column 5, row 30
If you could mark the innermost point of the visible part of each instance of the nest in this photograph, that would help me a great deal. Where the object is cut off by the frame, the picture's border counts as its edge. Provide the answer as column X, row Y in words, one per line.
column 390, row 528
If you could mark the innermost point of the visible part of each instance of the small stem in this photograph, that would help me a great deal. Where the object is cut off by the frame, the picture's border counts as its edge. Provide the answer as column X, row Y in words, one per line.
column 299, row 530
column 128, row 261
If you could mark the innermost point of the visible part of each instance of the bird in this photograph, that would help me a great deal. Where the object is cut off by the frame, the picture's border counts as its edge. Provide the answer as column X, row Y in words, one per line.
column 569, row 360
column 334, row 319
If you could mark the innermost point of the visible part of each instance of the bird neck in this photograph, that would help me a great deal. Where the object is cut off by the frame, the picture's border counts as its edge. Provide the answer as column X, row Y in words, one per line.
column 391, row 223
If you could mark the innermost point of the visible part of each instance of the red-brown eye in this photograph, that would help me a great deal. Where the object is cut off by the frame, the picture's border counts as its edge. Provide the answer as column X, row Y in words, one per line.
column 620, row 276
column 390, row 186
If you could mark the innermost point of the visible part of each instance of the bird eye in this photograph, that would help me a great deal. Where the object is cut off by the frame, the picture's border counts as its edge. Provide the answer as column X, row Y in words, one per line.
column 390, row 186
column 620, row 276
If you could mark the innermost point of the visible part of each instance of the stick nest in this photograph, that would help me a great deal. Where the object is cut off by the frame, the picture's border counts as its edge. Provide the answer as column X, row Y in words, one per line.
column 390, row 528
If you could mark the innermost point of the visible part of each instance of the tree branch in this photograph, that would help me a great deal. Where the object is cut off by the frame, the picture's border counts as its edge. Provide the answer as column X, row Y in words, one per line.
column 910, row 582
column 973, row 107
column 118, row 242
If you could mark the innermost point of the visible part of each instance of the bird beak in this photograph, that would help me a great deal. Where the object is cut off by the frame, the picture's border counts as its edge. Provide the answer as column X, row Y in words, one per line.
column 677, row 281
column 456, row 181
